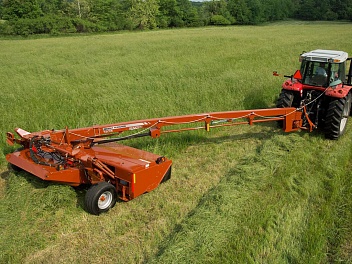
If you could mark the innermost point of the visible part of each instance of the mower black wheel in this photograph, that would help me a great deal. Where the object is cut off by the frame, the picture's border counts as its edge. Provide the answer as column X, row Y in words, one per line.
column 14, row 168
column 336, row 117
column 100, row 198
column 167, row 176
column 287, row 99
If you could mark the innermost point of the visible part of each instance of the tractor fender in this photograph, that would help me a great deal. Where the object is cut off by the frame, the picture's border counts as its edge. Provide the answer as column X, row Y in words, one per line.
column 292, row 85
column 339, row 91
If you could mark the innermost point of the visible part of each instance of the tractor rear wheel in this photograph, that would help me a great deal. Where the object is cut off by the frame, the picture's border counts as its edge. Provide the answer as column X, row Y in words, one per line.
column 100, row 198
column 336, row 117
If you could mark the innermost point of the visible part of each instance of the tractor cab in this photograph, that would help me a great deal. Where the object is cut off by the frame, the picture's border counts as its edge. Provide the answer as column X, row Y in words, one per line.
column 324, row 67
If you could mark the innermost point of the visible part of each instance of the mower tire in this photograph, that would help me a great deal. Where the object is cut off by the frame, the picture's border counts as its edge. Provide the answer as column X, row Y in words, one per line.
column 13, row 168
column 336, row 117
column 100, row 198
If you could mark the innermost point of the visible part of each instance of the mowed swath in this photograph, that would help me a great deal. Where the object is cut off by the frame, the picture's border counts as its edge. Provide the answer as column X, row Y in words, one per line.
column 237, row 194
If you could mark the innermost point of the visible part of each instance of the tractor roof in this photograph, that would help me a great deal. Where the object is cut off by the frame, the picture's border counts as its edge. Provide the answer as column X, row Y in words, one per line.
column 325, row 56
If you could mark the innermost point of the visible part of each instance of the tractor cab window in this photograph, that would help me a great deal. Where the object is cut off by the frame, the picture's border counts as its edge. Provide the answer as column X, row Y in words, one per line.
column 338, row 72
column 322, row 73
column 315, row 73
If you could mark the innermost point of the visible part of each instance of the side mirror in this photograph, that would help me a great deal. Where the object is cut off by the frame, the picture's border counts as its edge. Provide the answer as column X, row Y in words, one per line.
column 334, row 83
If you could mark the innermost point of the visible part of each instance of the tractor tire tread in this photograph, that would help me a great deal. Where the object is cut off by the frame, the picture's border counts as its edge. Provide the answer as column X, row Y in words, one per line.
column 285, row 99
column 333, row 118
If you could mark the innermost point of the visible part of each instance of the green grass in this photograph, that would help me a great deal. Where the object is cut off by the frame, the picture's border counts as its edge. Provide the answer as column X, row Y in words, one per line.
column 237, row 195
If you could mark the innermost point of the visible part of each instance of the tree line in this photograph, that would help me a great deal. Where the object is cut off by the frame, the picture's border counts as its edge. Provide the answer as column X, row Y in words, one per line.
column 25, row 17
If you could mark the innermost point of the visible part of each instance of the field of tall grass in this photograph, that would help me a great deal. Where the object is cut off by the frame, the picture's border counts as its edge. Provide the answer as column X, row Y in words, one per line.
column 245, row 194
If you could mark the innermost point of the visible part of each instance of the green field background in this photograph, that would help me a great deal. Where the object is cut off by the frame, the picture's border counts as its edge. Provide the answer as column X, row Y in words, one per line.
column 245, row 194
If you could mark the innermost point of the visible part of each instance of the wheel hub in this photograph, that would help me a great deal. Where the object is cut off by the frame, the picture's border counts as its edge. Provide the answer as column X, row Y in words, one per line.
column 105, row 200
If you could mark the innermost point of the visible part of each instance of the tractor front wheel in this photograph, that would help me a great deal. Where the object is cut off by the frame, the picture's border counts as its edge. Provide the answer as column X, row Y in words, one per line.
column 285, row 99
column 100, row 198
column 336, row 117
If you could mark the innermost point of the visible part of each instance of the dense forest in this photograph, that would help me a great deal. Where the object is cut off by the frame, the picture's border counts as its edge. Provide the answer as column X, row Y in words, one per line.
column 25, row 17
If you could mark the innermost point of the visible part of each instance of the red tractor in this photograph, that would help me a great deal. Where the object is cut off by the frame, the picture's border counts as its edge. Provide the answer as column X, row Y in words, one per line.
column 323, row 86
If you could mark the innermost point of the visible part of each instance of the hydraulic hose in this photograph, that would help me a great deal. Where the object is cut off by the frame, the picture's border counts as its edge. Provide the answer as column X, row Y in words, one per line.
column 33, row 149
